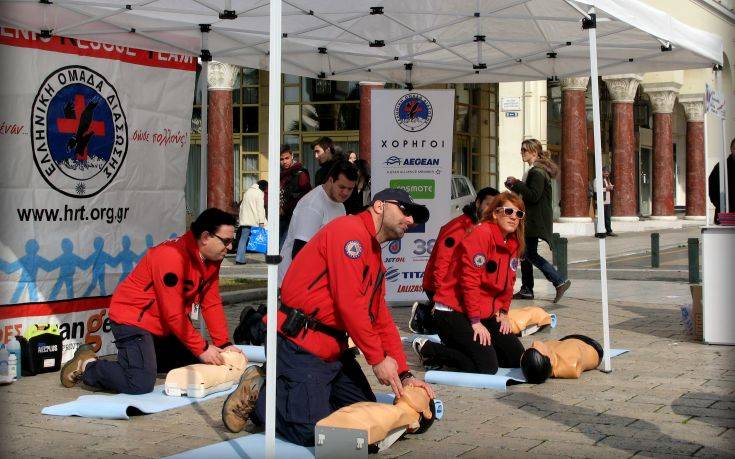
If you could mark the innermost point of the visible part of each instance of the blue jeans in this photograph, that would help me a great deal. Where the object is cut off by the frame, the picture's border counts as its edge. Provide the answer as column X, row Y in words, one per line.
column 242, row 245
column 531, row 259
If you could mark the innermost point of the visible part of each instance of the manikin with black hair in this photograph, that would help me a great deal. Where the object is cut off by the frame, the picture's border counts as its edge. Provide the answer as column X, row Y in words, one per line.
column 566, row 358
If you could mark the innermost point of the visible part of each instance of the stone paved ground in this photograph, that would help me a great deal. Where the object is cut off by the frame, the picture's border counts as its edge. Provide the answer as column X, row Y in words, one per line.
column 668, row 397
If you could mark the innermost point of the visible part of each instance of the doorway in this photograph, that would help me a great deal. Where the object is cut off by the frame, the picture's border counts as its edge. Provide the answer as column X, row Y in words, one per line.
column 644, row 181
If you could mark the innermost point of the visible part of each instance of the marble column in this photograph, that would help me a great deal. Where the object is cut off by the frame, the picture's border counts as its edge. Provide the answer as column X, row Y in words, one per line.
column 696, row 203
column 622, row 89
column 220, row 158
column 366, row 88
column 663, row 97
column 574, row 177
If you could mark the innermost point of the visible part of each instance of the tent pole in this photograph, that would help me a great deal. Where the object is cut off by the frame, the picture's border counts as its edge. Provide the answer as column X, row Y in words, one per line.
column 725, row 206
column 203, row 76
column 274, row 140
column 600, row 230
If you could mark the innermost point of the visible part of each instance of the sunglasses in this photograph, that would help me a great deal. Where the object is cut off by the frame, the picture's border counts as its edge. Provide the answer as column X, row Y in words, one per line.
column 509, row 211
column 406, row 211
column 225, row 242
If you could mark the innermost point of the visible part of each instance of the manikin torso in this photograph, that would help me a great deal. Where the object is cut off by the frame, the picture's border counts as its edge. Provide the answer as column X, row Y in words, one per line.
column 522, row 318
column 569, row 358
column 379, row 419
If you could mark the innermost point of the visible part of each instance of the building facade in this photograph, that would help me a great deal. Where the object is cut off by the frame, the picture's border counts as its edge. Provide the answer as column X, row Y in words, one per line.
column 652, row 126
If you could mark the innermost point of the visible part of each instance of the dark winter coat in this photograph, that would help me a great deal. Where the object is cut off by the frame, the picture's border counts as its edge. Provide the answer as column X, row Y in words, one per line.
column 536, row 194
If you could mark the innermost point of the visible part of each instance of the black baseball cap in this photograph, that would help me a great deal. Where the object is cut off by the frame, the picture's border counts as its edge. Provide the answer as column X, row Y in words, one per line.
column 419, row 212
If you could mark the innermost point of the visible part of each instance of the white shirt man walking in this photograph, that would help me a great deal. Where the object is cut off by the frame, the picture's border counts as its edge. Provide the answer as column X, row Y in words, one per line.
column 317, row 208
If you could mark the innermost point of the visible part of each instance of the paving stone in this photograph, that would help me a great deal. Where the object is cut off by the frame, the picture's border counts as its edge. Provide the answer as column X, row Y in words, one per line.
column 664, row 446
column 556, row 436
column 558, row 449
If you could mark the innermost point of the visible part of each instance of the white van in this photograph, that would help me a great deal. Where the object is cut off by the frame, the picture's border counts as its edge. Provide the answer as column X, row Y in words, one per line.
column 463, row 193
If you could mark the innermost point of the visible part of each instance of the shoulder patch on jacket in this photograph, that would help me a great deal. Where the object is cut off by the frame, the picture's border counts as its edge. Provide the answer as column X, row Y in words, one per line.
column 353, row 249
column 478, row 260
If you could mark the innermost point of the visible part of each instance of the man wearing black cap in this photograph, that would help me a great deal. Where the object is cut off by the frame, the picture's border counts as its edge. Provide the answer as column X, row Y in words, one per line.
column 334, row 288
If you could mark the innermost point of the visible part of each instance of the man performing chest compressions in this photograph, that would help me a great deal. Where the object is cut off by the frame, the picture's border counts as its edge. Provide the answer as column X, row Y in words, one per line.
column 334, row 287
column 566, row 358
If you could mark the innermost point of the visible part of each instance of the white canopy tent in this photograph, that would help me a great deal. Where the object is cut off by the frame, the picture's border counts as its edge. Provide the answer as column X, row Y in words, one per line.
column 412, row 42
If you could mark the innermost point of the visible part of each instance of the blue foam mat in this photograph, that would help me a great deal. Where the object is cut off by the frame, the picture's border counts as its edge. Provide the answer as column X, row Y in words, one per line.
column 247, row 447
column 499, row 381
column 119, row 406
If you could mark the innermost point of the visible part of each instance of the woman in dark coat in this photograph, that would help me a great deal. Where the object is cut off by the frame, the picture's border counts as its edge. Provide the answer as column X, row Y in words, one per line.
column 536, row 194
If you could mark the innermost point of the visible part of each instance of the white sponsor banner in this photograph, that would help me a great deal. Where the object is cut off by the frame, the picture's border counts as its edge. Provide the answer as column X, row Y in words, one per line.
column 713, row 102
column 412, row 149
column 94, row 140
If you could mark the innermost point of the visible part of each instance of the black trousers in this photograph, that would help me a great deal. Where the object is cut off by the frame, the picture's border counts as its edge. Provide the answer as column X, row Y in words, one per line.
column 140, row 356
column 607, row 211
column 309, row 389
column 461, row 351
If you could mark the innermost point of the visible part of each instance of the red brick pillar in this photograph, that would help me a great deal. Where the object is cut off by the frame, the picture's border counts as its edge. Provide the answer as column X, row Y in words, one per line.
column 220, row 158
column 696, row 204
column 366, row 88
column 574, row 179
column 663, row 97
column 622, row 89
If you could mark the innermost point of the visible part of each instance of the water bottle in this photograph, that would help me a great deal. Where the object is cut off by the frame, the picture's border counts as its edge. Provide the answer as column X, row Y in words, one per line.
column 13, row 348
column 4, row 370
column 13, row 367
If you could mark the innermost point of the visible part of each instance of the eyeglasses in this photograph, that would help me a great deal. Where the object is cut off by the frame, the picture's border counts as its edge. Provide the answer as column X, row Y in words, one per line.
column 509, row 211
column 227, row 241
column 406, row 211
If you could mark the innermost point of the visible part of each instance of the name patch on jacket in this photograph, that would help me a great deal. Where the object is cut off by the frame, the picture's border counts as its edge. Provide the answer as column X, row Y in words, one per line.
column 353, row 249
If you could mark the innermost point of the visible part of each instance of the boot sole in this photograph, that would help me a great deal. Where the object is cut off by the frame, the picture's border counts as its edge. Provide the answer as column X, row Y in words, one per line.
column 224, row 407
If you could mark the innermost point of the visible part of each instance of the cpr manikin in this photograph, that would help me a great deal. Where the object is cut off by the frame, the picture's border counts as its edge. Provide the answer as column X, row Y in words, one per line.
column 412, row 412
column 565, row 358
column 527, row 318
column 199, row 379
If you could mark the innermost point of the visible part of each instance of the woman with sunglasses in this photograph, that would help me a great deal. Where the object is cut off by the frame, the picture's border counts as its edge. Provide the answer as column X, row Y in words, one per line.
column 470, row 309
column 535, row 190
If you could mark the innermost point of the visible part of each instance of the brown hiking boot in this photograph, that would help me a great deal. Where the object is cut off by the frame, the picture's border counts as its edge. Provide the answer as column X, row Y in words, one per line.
column 71, row 373
column 239, row 404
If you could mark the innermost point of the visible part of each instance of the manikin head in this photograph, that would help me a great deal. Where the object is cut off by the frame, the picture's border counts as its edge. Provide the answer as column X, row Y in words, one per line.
column 417, row 399
column 535, row 363
column 341, row 181
column 214, row 231
column 393, row 212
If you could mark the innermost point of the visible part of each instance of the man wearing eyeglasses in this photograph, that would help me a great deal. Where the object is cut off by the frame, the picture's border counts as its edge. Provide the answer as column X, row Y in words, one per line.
column 152, row 309
column 334, row 288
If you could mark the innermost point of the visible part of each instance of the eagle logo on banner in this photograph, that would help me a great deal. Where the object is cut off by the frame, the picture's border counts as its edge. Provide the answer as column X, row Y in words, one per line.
column 79, row 131
column 413, row 112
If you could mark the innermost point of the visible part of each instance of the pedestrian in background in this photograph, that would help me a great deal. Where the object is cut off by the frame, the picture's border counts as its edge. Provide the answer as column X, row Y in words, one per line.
column 252, row 213
column 607, row 188
column 714, row 184
column 294, row 185
column 536, row 193
column 360, row 197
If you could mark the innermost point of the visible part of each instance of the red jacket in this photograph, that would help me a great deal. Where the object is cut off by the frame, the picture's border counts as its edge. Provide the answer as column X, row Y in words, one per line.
column 294, row 185
column 335, row 278
column 450, row 235
column 480, row 279
column 158, row 294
